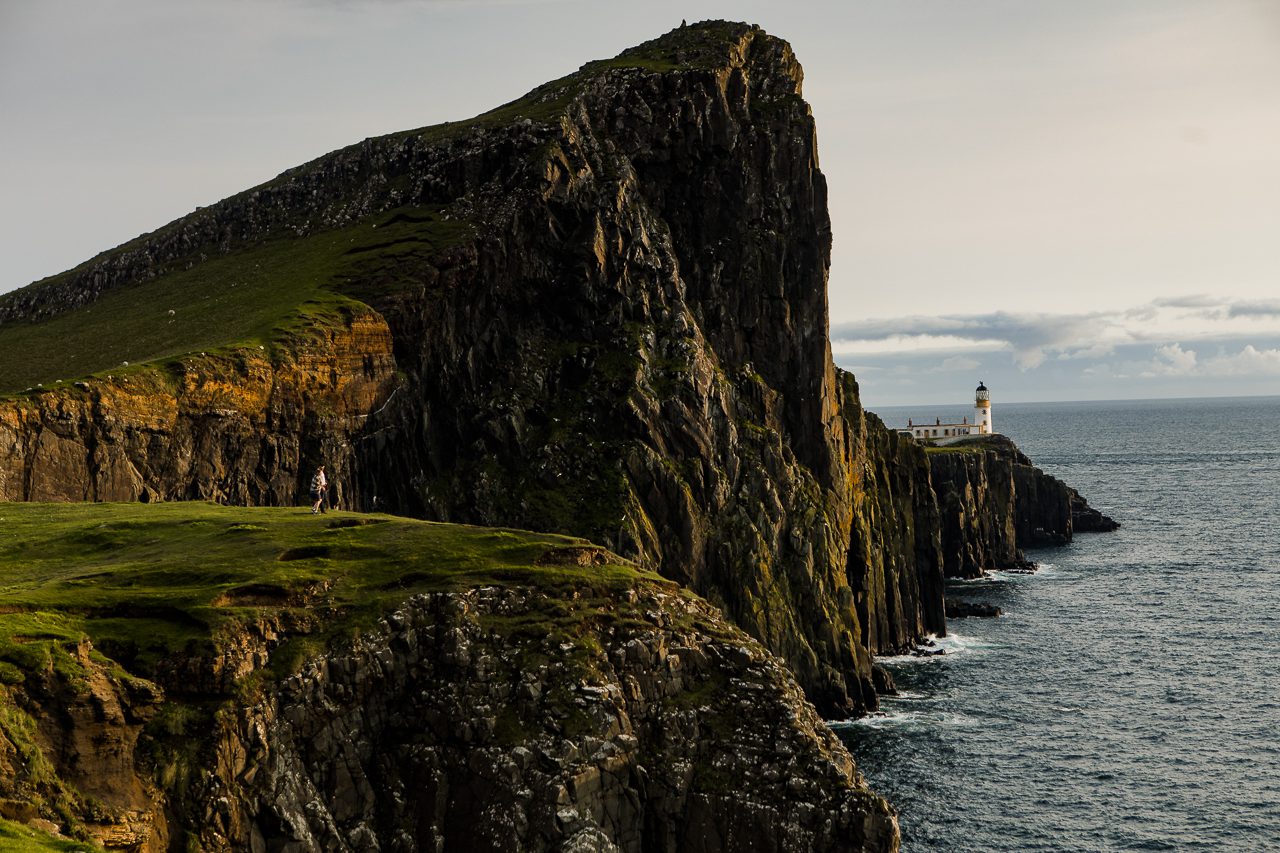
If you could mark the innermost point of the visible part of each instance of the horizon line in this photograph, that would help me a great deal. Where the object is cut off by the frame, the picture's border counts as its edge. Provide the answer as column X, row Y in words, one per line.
column 994, row 403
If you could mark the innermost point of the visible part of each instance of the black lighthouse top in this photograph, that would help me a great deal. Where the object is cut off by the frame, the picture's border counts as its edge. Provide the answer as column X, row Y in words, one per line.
column 982, row 393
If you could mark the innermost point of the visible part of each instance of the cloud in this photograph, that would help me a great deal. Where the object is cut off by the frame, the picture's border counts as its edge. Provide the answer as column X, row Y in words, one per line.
column 1261, row 308
column 1167, row 324
column 1171, row 360
column 960, row 362
column 1195, row 300
column 1031, row 337
column 1250, row 361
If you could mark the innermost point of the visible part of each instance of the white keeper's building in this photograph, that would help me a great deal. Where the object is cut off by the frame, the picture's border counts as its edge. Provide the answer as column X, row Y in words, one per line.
column 940, row 433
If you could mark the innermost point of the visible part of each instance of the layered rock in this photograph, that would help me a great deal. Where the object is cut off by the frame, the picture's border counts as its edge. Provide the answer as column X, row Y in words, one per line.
column 636, row 350
column 624, row 337
column 69, row 749
column 895, row 550
column 236, row 427
column 489, row 719
column 630, row 345
column 993, row 502
column 453, row 727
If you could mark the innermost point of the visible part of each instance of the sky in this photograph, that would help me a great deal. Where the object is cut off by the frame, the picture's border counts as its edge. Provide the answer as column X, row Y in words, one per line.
column 1067, row 200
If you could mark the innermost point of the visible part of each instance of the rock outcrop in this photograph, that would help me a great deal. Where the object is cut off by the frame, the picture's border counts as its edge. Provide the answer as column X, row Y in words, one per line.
column 232, row 427
column 628, row 342
column 993, row 502
column 69, row 749
column 472, row 732
column 490, row 719
column 605, row 314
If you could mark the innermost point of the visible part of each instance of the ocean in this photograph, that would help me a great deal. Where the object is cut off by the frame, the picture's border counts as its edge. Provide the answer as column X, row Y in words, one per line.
column 1129, row 697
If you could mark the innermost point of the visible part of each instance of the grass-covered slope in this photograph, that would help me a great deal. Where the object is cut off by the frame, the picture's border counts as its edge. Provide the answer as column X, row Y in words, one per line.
column 16, row 838
column 144, row 581
column 280, row 254
column 533, row 645
column 250, row 297
column 126, row 629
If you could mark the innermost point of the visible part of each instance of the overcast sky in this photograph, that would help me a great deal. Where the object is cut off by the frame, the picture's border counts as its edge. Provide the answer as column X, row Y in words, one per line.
column 1068, row 200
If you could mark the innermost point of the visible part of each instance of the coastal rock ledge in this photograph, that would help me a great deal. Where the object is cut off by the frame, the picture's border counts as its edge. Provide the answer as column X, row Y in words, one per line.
column 437, row 732
column 491, row 719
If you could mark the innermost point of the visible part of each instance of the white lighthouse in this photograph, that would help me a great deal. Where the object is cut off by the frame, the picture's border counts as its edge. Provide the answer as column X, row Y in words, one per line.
column 982, row 409
column 940, row 433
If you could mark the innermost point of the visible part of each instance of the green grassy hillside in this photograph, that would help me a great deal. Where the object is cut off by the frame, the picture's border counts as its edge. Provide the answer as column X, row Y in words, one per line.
column 164, row 590
column 145, row 580
column 209, row 299
column 16, row 838
column 250, row 297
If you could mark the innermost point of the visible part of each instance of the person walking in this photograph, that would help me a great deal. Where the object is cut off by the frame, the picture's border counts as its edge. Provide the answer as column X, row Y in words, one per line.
column 319, row 490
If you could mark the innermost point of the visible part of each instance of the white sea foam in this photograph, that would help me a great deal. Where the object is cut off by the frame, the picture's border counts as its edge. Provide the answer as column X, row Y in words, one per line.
column 951, row 644
column 989, row 576
column 894, row 718
column 954, row 644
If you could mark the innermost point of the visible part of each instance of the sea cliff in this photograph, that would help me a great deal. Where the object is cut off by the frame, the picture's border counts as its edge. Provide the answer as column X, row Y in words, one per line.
column 605, row 306
column 600, row 311
column 420, row 687
column 993, row 502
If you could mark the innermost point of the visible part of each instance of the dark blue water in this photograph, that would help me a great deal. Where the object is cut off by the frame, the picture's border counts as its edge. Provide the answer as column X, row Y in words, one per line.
column 1129, row 698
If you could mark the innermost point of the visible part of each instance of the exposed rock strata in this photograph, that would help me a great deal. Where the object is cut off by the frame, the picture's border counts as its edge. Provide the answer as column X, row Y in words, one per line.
column 236, row 428
column 69, row 750
column 494, row 719
column 993, row 502
column 661, row 737
column 628, row 343
column 632, row 346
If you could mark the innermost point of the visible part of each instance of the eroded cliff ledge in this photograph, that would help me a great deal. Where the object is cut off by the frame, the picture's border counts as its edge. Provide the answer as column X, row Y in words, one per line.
column 359, row 683
column 625, row 337
column 993, row 502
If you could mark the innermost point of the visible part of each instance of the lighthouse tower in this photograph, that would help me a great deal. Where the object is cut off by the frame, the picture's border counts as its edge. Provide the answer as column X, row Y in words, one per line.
column 982, row 409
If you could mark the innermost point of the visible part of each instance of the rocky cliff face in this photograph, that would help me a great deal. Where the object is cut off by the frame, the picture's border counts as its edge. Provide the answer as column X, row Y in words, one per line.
column 492, row 719
column 234, row 427
column 69, row 749
column 473, row 730
column 635, row 347
column 621, row 334
column 993, row 502
column 895, row 550
column 630, row 344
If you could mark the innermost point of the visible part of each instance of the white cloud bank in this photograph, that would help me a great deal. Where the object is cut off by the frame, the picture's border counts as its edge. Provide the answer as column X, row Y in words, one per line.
column 1171, row 326
column 1173, row 360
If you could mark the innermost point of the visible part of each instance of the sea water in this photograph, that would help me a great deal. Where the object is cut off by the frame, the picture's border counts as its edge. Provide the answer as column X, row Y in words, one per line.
column 1129, row 697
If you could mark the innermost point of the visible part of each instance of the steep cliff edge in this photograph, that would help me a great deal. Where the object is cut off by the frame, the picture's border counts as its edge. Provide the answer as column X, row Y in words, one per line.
column 233, row 425
column 993, row 502
column 607, row 307
column 360, row 683
column 598, row 310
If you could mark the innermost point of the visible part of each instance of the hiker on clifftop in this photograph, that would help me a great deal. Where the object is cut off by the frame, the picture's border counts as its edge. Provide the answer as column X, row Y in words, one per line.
column 319, row 488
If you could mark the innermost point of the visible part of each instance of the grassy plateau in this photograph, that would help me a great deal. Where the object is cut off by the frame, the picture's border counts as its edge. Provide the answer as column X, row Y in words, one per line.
column 142, row 581
column 253, row 297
